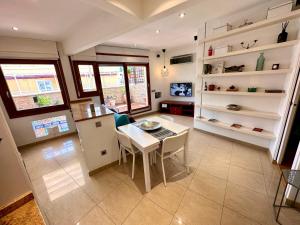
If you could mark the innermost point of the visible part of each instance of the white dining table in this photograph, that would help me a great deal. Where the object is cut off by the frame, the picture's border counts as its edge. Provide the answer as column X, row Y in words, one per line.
column 147, row 143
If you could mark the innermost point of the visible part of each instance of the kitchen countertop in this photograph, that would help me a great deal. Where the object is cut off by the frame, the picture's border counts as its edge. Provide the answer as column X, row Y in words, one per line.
column 82, row 111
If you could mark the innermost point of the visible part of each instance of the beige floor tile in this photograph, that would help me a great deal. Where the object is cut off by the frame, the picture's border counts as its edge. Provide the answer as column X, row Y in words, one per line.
column 168, row 197
column 209, row 186
column 99, row 185
column 177, row 221
column 67, row 207
column 215, row 168
column 230, row 217
column 95, row 216
column 148, row 213
column 120, row 202
column 196, row 209
column 249, row 203
column 248, row 179
column 246, row 157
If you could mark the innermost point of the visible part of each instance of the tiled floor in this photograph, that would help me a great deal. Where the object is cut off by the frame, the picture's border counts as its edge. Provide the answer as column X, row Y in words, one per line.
column 229, row 184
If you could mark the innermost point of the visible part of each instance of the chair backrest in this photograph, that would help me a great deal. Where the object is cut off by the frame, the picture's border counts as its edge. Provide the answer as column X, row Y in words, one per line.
column 174, row 143
column 124, row 140
column 167, row 118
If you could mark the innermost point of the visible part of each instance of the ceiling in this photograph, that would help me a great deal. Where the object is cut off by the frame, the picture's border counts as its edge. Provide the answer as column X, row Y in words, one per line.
column 81, row 24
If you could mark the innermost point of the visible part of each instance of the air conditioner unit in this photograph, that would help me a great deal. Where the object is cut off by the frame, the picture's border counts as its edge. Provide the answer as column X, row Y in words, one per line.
column 181, row 59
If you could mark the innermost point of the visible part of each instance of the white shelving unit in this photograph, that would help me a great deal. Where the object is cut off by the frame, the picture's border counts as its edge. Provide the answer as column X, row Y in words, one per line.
column 268, row 110
column 255, row 26
column 244, row 112
column 254, row 49
column 248, row 73
column 243, row 93
column 243, row 130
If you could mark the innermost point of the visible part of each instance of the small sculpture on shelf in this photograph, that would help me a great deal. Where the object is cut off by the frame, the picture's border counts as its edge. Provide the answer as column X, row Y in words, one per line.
column 282, row 37
column 275, row 66
column 207, row 68
column 236, row 125
column 212, row 120
column 248, row 45
column 257, row 129
column 232, row 88
column 233, row 107
column 246, row 23
column 211, row 87
column 252, row 89
column 260, row 62
column 205, row 86
column 232, row 69
column 210, row 51
column 274, row 91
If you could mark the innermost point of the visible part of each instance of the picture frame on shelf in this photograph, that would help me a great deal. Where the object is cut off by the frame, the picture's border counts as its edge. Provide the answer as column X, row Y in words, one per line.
column 218, row 67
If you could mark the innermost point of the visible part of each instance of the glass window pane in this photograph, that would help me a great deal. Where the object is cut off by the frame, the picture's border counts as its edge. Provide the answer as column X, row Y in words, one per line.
column 87, row 78
column 32, row 85
column 138, row 86
column 113, row 87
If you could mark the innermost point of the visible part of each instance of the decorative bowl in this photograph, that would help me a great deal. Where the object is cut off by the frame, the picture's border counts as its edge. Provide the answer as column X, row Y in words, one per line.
column 150, row 125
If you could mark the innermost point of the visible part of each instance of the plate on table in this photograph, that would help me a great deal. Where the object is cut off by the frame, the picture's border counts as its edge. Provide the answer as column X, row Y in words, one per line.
column 150, row 125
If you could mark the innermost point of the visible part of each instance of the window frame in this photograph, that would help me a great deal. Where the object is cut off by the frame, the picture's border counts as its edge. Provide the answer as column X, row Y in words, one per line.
column 77, row 79
column 99, row 93
column 8, row 99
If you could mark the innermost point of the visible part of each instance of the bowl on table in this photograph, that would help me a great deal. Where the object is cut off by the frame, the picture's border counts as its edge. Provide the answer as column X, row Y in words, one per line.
column 150, row 125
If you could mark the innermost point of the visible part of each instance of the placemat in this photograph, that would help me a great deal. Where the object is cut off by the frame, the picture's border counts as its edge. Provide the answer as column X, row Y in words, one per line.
column 160, row 133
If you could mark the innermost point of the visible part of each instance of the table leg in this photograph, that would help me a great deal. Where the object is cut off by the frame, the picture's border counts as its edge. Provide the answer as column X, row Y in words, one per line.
column 274, row 203
column 185, row 152
column 279, row 208
column 146, row 171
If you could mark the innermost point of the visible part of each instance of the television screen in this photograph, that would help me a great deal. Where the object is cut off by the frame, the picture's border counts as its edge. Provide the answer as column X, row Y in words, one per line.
column 181, row 89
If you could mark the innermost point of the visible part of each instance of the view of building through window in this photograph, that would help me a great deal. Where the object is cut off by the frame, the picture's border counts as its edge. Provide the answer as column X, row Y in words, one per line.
column 32, row 85
column 137, row 77
column 113, row 86
column 41, row 127
column 87, row 78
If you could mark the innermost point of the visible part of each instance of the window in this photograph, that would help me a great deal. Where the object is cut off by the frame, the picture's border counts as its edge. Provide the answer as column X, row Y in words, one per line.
column 85, row 79
column 123, row 87
column 30, row 87
column 44, row 85
column 41, row 127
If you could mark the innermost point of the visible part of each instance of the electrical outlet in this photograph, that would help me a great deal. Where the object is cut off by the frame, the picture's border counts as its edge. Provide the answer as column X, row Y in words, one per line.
column 103, row 152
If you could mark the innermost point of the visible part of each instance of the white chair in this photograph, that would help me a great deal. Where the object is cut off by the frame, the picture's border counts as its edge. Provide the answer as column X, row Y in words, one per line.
column 125, row 145
column 167, row 118
column 170, row 147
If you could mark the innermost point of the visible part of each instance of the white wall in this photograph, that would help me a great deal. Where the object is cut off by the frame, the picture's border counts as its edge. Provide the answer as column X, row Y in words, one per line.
column 14, row 182
column 185, row 72
column 21, row 128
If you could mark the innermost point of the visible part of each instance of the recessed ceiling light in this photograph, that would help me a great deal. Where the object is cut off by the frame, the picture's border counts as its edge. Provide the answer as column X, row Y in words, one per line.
column 157, row 31
column 15, row 28
column 181, row 15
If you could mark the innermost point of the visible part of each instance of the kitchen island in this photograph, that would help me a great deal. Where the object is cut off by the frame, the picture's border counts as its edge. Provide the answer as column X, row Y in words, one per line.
column 96, row 131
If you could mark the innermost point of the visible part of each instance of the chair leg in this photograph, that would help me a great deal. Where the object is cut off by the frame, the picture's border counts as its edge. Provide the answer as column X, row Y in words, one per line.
column 163, row 170
column 133, row 166
column 120, row 155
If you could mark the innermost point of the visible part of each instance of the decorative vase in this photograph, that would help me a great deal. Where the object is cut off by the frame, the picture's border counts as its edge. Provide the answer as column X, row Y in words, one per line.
column 282, row 37
column 260, row 62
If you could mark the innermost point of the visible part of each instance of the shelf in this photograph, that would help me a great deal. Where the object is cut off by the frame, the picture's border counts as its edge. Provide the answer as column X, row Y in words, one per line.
column 244, row 112
column 248, row 73
column 241, row 93
column 264, row 23
column 254, row 49
column 243, row 130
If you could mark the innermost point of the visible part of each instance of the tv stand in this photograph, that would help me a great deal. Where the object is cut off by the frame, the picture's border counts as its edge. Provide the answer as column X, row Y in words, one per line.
column 183, row 108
